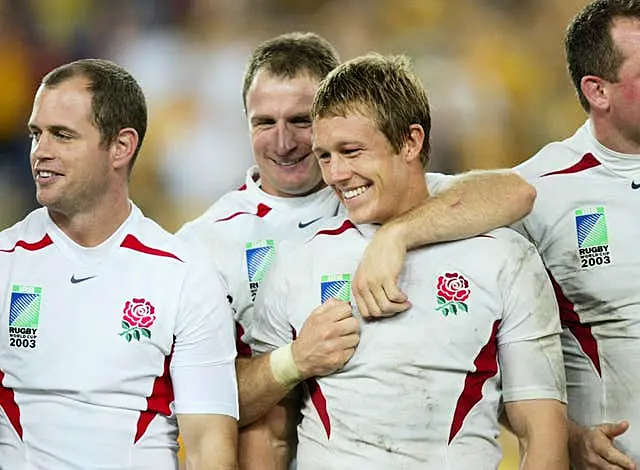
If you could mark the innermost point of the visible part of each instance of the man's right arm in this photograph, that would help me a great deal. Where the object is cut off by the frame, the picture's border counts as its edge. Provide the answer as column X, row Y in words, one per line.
column 326, row 342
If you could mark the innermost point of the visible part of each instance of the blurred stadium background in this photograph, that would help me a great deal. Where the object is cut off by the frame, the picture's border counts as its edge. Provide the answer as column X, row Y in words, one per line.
column 494, row 69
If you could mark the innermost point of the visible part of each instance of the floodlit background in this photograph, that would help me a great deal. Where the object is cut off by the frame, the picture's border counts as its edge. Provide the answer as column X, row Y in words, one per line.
column 494, row 69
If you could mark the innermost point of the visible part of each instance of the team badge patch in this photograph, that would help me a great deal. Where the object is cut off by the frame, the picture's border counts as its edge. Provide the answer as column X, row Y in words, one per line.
column 260, row 254
column 336, row 286
column 593, row 237
column 453, row 292
column 24, row 316
column 138, row 316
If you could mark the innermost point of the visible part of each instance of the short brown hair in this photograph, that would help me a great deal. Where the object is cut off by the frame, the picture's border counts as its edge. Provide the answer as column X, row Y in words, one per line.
column 588, row 43
column 383, row 86
column 117, row 101
column 290, row 55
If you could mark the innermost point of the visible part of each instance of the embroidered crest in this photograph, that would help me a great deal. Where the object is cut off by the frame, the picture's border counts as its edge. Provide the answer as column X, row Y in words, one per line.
column 138, row 316
column 335, row 286
column 453, row 291
column 593, row 237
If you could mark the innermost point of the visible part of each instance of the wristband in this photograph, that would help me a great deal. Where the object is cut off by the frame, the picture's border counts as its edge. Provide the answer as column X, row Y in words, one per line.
column 284, row 368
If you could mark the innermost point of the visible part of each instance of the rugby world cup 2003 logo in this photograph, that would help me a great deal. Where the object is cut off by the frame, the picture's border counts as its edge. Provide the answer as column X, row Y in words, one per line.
column 453, row 293
column 24, row 315
column 138, row 316
column 259, row 255
column 593, row 237
column 337, row 286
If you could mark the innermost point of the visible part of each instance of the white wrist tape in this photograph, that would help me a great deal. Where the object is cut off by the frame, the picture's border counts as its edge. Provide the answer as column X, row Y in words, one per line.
column 284, row 368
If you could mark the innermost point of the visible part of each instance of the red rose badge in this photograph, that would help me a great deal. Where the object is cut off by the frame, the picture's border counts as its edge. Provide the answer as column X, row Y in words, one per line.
column 453, row 290
column 138, row 316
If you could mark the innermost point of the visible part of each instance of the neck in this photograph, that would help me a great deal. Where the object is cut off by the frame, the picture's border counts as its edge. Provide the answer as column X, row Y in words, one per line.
column 92, row 227
column 614, row 138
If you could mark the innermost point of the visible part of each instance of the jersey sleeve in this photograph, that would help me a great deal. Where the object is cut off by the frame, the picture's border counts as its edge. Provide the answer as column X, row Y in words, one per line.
column 438, row 182
column 203, row 363
column 529, row 347
column 271, row 327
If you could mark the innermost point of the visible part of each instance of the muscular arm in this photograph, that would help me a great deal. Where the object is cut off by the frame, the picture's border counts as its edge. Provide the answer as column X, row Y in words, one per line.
column 474, row 203
column 258, row 390
column 210, row 441
column 270, row 442
column 541, row 429
column 327, row 340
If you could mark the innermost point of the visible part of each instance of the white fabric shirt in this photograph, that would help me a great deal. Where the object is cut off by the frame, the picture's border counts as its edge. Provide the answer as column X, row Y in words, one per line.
column 101, row 347
column 584, row 225
column 242, row 232
column 424, row 387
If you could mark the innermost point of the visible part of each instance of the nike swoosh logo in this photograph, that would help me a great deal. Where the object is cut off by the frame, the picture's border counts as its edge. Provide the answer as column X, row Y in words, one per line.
column 635, row 185
column 303, row 225
column 76, row 280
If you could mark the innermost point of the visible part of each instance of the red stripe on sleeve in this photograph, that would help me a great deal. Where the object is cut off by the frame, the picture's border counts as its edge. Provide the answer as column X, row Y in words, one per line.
column 10, row 407
column 134, row 244
column 486, row 366
column 582, row 333
column 45, row 242
column 346, row 225
column 261, row 211
column 587, row 161
column 159, row 401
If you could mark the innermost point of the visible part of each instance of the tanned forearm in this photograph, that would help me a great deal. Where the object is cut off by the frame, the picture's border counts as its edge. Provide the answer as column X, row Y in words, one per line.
column 258, row 390
column 478, row 201
column 541, row 428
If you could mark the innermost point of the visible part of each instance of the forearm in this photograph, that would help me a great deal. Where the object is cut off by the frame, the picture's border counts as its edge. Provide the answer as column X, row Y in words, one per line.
column 541, row 450
column 475, row 203
column 541, row 429
column 258, row 390
column 257, row 450
column 210, row 441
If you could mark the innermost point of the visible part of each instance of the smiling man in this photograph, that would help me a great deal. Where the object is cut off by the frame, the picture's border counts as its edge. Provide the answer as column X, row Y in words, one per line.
column 424, row 388
column 284, row 194
column 112, row 333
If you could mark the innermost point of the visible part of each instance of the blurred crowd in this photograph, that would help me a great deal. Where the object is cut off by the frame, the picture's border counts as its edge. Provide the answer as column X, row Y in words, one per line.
column 494, row 69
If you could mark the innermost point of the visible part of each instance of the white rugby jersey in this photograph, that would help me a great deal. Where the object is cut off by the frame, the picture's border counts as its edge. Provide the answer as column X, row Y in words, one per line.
column 424, row 387
column 584, row 224
column 101, row 347
column 242, row 232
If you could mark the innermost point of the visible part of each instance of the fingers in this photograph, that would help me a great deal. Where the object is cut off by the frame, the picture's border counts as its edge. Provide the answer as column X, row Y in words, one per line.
column 327, row 340
column 381, row 300
column 612, row 430
column 333, row 309
column 607, row 450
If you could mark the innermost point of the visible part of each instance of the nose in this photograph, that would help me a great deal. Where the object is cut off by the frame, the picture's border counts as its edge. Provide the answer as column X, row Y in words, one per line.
column 40, row 148
column 286, row 139
column 337, row 171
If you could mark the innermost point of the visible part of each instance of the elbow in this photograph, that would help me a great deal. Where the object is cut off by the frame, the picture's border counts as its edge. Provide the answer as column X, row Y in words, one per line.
column 526, row 198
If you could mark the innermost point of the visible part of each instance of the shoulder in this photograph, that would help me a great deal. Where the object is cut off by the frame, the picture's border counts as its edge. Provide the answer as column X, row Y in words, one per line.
column 27, row 232
column 500, row 247
column 147, row 237
column 568, row 156
column 237, row 200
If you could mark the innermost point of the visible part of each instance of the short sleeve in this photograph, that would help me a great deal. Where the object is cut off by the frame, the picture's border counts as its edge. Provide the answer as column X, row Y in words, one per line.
column 529, row 335
column 203, row 363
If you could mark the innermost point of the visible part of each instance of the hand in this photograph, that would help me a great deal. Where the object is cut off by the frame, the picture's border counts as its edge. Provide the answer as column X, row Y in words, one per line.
column 375, row 284
column 327, row 340
column 593, row 449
